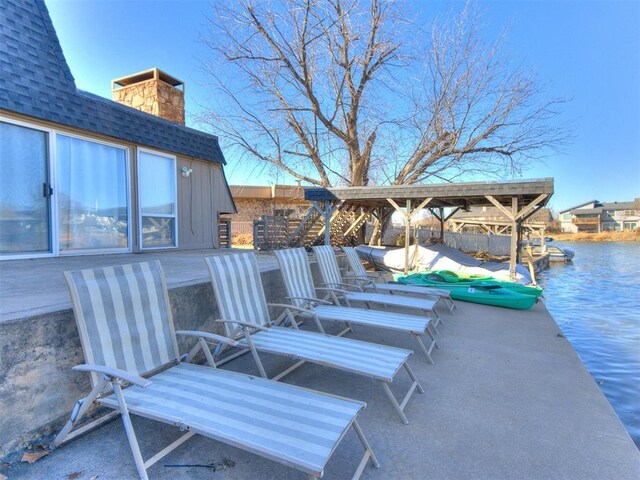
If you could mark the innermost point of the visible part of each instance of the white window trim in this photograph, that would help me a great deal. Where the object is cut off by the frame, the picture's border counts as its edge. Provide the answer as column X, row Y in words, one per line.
column 160, row 215
column 54, row 230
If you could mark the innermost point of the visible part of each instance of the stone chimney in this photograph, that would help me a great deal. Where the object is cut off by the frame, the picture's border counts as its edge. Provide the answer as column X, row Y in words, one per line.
column 152, row 91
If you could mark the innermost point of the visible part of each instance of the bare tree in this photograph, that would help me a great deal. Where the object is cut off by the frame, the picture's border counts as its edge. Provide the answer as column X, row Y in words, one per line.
column 336, row 92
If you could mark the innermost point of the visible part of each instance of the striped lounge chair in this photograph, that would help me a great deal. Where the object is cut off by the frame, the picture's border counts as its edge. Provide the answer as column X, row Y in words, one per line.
column 332, row 278
column 298, row 280
column 127, row 334
column 367, row 281
column 241, row 300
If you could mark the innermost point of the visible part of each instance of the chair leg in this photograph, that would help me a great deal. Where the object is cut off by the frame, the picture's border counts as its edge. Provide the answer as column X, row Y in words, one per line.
column 318, row 323
column 346, row 330
column 394, row 402
column 256, row 356
column 432, row 335
column 368, row 451
column 79, row 411
column 433, row 326
column 413, row 377
column 427, row 351
column 436, row 318
column 131, row 435
column 452, row 305
column 449, row 302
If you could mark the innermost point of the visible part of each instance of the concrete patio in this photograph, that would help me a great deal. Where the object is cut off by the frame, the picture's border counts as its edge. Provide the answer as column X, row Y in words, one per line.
column 507, row 398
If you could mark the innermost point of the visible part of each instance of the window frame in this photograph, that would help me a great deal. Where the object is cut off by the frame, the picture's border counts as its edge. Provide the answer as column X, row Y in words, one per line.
column 54, row 219
column 174, row 158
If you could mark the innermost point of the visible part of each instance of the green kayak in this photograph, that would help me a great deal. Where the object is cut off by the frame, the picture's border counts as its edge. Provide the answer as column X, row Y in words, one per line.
column 486, row 293
column 455, row 278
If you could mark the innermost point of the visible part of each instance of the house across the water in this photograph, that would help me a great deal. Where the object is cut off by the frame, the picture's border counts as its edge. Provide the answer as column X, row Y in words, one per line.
column 82, row 174
column 594, row 216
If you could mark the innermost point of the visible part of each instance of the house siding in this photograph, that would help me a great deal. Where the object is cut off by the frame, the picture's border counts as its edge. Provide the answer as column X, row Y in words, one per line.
column 202, row 197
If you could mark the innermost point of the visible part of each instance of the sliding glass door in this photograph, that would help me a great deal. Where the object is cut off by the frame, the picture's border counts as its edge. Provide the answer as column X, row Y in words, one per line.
column 62, row 194
column 93, row 207
column 25, row 192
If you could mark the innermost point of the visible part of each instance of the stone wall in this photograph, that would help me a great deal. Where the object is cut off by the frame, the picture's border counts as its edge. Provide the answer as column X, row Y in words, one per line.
column 170, row 103
column 155, row 97
column 252, row 208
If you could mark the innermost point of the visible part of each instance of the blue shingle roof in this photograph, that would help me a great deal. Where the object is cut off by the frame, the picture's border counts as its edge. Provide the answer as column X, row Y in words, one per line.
column 35, row 80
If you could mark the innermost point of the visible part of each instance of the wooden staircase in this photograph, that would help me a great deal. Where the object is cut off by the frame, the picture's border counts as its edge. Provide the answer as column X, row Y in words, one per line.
column 344, row 224
column 302, row 229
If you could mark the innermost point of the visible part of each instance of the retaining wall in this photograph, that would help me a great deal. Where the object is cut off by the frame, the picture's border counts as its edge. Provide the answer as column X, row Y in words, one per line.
column 37, row 386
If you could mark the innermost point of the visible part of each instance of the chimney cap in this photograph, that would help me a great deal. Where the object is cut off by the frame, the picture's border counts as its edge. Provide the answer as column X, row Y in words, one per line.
column 152, row 73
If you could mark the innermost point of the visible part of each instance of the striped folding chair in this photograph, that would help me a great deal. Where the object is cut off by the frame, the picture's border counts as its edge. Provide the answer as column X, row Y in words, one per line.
column 302, row 293
column 128, row 339
column 367, row 282
column 332, row 278
column 241, row 300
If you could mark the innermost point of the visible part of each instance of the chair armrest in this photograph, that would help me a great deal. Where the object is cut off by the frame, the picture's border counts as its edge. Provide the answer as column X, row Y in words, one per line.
column 335, row 285
column 244, row 324
column 292, row 307
column 312, row 300
column 208, row 336
column 338, row 290
column 378, row 274
column 361, row 280
column 353, row 279
column 130, row 377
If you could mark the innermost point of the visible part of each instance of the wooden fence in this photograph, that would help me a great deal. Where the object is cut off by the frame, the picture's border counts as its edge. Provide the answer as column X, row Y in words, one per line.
column 224, row 233
column 478, row 242
column 270, row 233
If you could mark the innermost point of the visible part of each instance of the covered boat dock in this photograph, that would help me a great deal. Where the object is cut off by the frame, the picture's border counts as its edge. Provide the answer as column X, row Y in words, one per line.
column 337, row 207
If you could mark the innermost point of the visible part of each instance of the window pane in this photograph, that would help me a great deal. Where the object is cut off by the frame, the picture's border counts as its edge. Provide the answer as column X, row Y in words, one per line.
column 24, row 209
column 92, row 201
column 158, row 231
column 157, row 195
column 157, row 184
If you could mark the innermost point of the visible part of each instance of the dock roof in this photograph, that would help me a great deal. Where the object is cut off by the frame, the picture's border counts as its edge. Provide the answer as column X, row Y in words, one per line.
column 463, row 195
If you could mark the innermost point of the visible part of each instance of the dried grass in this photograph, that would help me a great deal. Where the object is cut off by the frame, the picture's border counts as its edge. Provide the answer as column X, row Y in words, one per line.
column 242, row 239
column 626, row 236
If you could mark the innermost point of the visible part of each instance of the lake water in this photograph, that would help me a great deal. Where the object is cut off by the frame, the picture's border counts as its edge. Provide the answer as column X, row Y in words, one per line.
column 596, row 302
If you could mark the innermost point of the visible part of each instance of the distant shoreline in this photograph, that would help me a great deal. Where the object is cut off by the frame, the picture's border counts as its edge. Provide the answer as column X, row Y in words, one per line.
column 627, row 236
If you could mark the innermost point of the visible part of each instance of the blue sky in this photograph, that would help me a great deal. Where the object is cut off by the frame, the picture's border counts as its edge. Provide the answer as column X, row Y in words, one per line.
column 588, row 51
